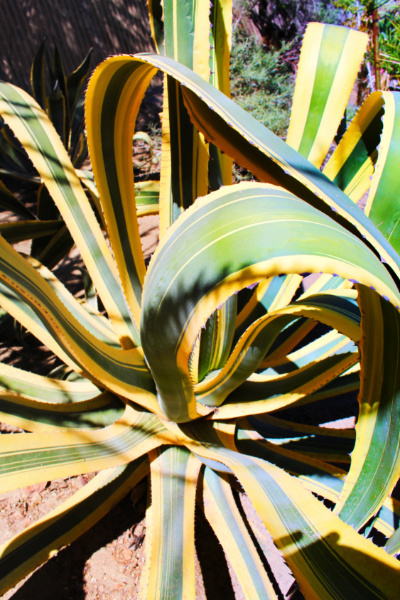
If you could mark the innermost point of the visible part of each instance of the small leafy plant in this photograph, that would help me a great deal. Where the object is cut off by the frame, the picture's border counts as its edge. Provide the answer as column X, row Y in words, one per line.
column 262, row 84
column 186, row 376
column 60, row 96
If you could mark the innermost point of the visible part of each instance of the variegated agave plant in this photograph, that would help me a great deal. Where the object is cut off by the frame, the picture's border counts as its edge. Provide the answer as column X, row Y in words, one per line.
column 184, row 376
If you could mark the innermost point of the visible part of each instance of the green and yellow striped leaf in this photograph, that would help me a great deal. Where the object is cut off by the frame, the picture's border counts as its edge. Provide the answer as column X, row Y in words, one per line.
column 29, row 458
column 329, row 62
column 45, row 389
column 375, row 464
column 353, row 161
column 101, row 361
column 34, row 130
column 169, row 570
column 328, row 558
column 20, row 231
column 383, row 205
column 269, row 158
column 251, row 220
column 224, row 516
column 35, row 416
column 112, row 102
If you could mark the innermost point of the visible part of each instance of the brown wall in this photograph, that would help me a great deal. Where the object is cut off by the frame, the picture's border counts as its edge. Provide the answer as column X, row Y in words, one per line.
column 110, row 26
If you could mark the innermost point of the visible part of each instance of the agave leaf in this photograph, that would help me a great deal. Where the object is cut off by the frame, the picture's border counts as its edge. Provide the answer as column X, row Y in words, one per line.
column 14, row 158
column 382, row 203
column 25, row 314
column 169, row 570
column 249, row 220
column 329, row 62
column 328, row 445
column 38, row 82
column 57, row 248
column 393, row 545
column 46, row 211
column 90, row 290
column 327, row 557
column 38, row 542
column 220, row 165
column 388, row 518
column 90, row 319
column 244, row 360
column 288, row 339
column 74, row 84
column 222, row 513
column 109, row 105
column 51, row 160
column 45, row 389
column 318, row 476
column 353, row 161
column 269, row 158
column 60, row 87
column 123, row 370
column 30, row 458
column 254, row 397
column 10, row 202
column 35, row 416
column 28, row 230
column 279, row 362
column 269, row 295
column 375, row 465
column 147, row 195
column 216, row 339
column 184, row 171
column 58, row 112
column 184, row 158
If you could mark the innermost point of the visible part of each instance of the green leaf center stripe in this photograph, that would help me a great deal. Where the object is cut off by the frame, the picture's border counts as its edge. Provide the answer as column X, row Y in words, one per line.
column 179, row 29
